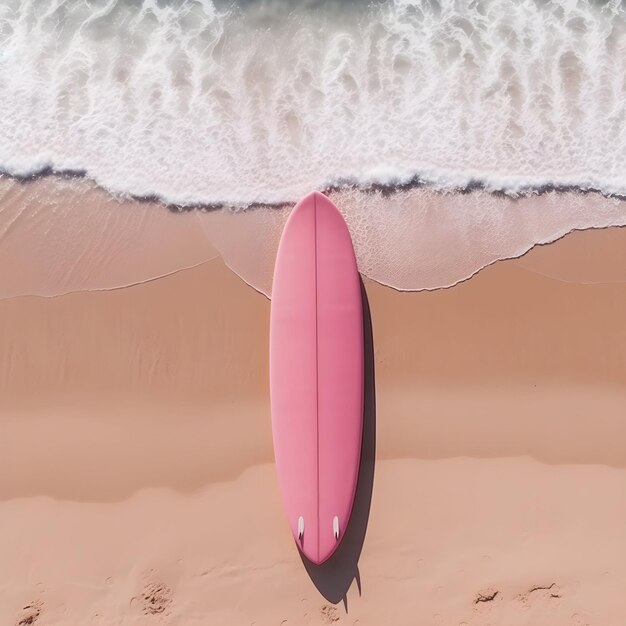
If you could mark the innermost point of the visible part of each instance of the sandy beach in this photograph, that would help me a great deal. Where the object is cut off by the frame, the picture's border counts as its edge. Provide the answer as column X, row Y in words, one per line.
column 136, row 432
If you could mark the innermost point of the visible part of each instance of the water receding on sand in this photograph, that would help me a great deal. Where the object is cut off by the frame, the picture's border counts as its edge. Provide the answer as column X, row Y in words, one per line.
column 59, row 235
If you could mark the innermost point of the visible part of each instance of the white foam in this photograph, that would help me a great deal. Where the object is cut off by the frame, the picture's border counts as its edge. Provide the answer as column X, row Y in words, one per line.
column 204, row 105
column 418, row 239
column 60, row 236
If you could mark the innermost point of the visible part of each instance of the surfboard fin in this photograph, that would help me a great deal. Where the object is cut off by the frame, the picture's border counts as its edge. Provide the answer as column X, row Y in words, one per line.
column 336, row 527
column 300, row 529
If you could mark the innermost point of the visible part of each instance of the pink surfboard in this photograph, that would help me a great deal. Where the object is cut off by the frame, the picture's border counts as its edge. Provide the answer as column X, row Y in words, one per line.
column 316, row 374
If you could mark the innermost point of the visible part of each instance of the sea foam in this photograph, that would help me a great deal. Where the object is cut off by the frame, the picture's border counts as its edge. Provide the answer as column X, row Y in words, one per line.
column 203, row 103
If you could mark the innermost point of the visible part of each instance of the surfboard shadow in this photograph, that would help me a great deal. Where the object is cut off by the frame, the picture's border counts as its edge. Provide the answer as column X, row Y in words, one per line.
column 333, row 578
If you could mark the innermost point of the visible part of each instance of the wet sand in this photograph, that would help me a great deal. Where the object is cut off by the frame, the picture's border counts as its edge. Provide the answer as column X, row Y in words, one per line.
column 59, row 235
column 137, row 444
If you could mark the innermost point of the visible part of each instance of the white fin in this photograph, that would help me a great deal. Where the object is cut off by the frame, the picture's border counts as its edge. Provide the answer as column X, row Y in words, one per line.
column 336, row 527
column 300, row 528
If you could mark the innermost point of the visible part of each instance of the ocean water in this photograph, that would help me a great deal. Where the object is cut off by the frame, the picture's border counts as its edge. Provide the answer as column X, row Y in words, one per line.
column 216, row 103
column 233, row 105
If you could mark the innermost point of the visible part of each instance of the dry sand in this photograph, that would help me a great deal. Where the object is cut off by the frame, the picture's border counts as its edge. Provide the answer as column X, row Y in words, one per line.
column 137, row 484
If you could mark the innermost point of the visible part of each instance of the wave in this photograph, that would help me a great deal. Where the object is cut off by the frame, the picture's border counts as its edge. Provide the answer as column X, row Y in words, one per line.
column 385, row 189
column 215, row 104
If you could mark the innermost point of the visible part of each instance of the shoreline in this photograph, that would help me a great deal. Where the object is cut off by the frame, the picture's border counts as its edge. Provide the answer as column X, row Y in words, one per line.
column 84, row 239
column 416, row 181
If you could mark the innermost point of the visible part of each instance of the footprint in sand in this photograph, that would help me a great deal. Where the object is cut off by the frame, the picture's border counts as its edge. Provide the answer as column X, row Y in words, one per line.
column 30, row 614
column 330, row 614
column 486, row 596
column 580, row 620
column 485, row 599
column 540, row 593
column 156, row 598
